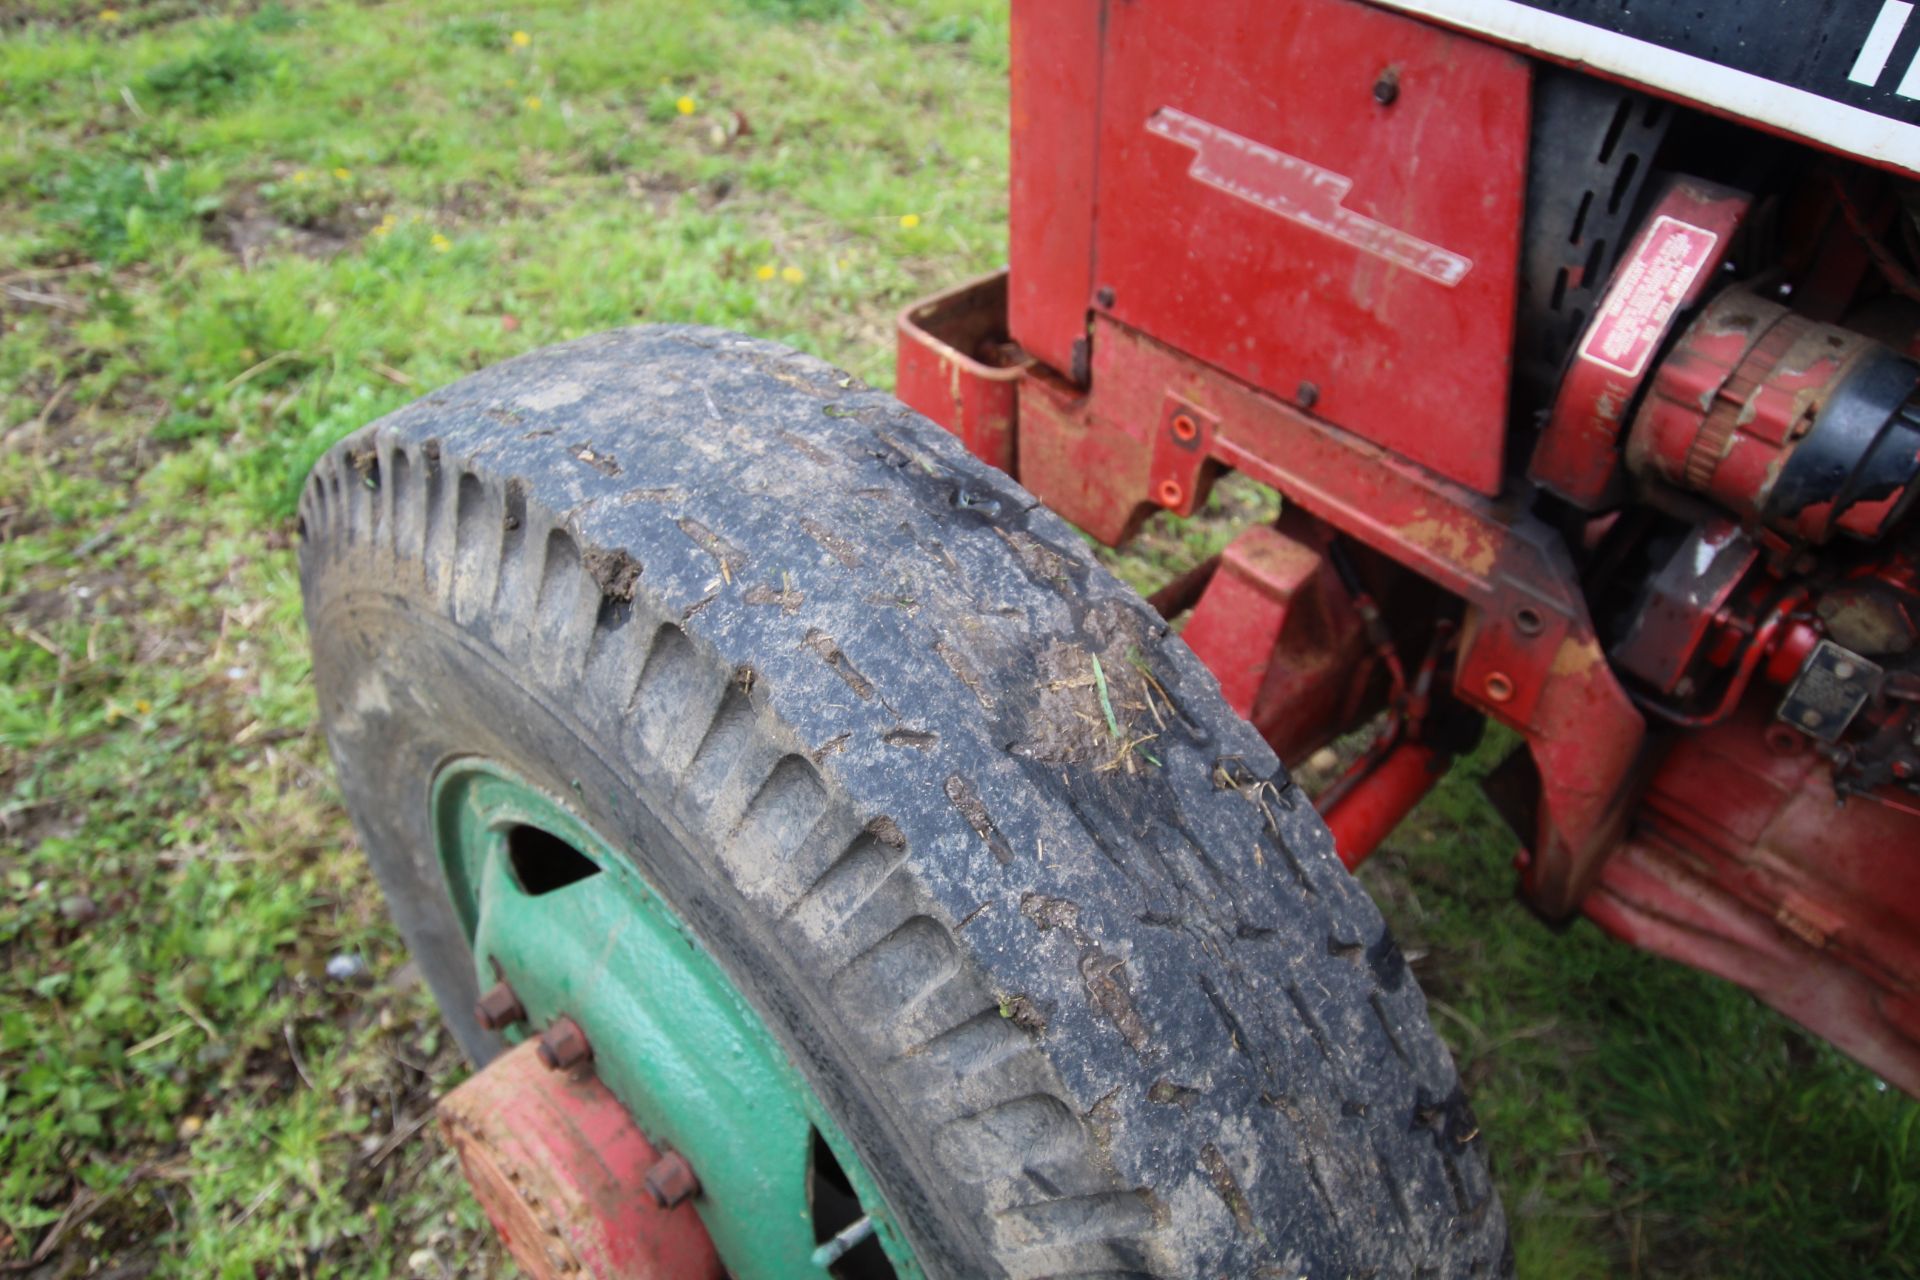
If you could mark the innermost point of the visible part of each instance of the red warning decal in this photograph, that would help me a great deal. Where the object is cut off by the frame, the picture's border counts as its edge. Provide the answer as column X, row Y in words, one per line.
column 1646, row 293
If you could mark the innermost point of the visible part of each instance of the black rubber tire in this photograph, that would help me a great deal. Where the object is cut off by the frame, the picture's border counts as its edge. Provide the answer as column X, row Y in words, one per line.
column 829, row 678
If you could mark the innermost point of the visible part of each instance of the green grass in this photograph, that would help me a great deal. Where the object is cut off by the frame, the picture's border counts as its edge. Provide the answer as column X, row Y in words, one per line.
column 229, row 235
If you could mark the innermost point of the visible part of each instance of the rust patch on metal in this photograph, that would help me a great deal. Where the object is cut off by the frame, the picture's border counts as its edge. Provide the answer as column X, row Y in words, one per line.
column 1453, row 543
column 1577, row 656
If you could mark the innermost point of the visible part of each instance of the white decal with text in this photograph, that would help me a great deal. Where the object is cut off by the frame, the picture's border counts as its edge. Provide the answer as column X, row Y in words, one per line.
column 1299, row 191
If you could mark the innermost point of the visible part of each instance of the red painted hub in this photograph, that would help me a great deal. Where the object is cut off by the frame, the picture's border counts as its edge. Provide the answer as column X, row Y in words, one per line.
column 561, row 1170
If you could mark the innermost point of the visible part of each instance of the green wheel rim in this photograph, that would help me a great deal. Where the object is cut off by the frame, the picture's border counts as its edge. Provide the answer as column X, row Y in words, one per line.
column 570, row 922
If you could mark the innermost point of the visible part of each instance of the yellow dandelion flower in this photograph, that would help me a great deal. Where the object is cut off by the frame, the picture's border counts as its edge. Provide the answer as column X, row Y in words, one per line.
column 766, row 271
column 142, row 705
column 301, row 175
column 109, row 15
column 383, row 230
column 440, row 243
column 844, row 263
column 792, row 275
column 684, row 105
column 909, row 220
column 521, row 39
column 342, row 173
column 533, row 102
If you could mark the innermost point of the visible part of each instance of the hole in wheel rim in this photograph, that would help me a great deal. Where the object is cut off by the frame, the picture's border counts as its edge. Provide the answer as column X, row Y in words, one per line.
column 543, row 862
column 836, row 1207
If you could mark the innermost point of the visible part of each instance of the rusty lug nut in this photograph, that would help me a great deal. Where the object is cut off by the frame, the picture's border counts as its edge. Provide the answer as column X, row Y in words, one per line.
column 499, row 1008
column 671, row 1180
column 564, row 1045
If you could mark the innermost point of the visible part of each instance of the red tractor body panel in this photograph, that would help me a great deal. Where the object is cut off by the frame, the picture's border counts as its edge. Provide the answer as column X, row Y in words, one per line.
column 1054, row 97
column 1271, row 216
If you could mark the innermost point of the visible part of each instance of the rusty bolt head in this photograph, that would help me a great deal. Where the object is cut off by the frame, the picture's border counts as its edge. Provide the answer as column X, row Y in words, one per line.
column 1307, row 396
column 564, row 1045
column 499, row 1008
column 1387, row 87
column 671, row 1180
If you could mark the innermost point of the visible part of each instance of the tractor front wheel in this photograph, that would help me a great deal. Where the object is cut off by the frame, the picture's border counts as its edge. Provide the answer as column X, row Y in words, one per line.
column 895, row 860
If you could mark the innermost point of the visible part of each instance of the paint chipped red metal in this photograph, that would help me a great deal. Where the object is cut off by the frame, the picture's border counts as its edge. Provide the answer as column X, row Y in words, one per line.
column 1054, row 109
column 1579, row 455
column 1280, row 632
column 955, row 364
column 556, row 1161
column 1271, row 299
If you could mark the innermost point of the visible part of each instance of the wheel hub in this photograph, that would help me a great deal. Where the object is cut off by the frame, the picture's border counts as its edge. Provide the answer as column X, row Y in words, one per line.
column 646, row 1043
column 553, row 1158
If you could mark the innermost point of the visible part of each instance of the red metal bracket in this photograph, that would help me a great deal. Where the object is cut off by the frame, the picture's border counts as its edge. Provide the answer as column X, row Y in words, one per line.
column 955, row 364
column 1182, row 472
column 1279, row 631
column 1530, row 658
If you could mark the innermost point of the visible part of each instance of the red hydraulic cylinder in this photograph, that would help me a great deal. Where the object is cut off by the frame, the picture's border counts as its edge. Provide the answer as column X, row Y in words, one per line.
column 1373, row 806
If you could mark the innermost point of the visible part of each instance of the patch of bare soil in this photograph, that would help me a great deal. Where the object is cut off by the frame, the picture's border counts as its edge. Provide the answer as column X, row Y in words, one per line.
column 250, row 231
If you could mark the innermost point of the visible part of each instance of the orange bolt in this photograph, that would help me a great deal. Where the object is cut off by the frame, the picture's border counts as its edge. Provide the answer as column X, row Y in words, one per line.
column 1499, row 686
column 564, row 1045
column 499, row 1008
column 1184, row 427
column 1171, row 493
column 671, row 1180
